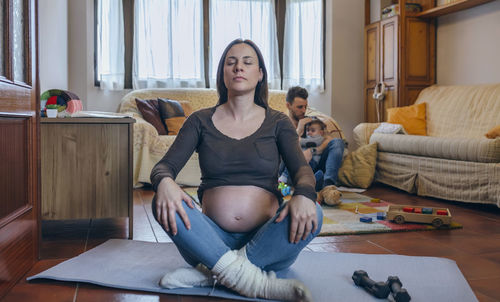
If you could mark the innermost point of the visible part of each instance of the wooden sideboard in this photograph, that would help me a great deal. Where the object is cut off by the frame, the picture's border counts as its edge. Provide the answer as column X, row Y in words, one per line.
column 86, row 168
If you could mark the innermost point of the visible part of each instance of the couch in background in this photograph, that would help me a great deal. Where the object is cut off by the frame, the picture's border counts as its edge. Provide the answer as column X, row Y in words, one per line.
column 455, row 160
column 149, row 147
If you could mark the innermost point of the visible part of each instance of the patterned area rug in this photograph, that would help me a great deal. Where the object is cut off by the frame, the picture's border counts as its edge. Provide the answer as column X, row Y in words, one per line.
column 345, row 219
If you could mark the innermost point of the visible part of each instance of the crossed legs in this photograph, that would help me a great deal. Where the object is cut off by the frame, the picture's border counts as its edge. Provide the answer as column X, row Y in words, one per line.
column 241, row 261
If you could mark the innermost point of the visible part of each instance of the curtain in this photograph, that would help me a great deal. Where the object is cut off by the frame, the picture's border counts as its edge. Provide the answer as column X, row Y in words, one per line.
column 110, row 44
column 168, row 44
column 303, row 45
column 247, row 19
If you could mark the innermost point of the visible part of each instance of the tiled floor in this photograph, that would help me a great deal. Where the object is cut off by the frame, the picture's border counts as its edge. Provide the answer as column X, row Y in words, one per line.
column 475, row 248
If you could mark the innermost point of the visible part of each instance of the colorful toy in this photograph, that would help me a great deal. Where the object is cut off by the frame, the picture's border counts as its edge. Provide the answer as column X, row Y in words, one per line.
column 435, row 216
column 380, row 215
column 427, row 211
column 365, row 219
column 66, row 100
column 330, row 196
column 284, row 188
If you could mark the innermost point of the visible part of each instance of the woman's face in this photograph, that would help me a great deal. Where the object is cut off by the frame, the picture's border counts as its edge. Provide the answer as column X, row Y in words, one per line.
column 241, row 69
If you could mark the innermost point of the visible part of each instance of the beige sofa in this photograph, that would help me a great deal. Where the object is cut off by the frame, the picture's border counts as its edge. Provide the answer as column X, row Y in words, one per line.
column 454, row 161
column 149, row 147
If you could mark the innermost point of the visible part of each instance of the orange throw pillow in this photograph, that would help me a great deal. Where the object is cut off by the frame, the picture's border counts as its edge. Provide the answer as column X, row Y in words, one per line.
column 173, row 115
column 411, row 117
column 494, row 132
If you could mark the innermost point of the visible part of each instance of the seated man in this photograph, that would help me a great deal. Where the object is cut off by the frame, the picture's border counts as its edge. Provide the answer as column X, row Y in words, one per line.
column 331, row 149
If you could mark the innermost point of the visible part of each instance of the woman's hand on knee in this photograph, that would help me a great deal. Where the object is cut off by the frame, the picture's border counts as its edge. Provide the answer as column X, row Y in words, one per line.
column 303, row 218
column 169, row 199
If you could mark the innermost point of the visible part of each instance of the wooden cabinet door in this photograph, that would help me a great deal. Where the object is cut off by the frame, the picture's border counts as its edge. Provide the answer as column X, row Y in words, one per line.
column 372, row 69
column 19, row 146
column 389, row 63
column 389, row 46
column 419, row 64
column 381, row 65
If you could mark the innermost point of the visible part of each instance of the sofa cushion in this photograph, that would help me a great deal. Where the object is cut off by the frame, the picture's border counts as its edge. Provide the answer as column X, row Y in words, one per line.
column 150, row 112
column 358, row 167
column 461, row 111
column 471, row 149
column 173, row 115
column 411, row 117
column 186, row 106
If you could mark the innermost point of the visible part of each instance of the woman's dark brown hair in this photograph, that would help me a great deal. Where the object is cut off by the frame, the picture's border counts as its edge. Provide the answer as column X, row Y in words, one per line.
column 260, row 97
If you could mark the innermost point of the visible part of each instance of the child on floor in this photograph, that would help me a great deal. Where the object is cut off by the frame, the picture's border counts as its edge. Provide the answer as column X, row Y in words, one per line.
column 315, row 136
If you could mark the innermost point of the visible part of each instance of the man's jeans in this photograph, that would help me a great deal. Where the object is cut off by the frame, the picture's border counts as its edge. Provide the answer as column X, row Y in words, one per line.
column 331, row 160
column 267, row 247
column 329, row 163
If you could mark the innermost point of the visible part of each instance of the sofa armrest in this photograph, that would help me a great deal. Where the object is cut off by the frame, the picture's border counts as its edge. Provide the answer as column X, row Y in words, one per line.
column 142, row 126
column 363, row 132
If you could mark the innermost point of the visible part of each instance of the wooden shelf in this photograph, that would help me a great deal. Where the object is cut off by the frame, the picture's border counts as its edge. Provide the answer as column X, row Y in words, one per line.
column 450, row 8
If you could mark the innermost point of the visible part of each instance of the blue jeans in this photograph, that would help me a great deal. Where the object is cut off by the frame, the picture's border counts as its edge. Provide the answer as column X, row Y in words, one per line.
column 331, row 160
column 329, row 163
column 267, row 247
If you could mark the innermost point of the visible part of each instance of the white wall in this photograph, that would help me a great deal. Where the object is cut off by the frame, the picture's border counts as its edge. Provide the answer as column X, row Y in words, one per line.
column 53, row 44
column 347, row 66
column 468, row 46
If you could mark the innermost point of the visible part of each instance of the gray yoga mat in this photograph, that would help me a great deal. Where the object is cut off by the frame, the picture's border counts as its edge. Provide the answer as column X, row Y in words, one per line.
column 138, row 265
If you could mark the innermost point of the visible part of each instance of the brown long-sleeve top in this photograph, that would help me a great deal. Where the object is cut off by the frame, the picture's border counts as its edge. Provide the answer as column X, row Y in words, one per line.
column 225, row 161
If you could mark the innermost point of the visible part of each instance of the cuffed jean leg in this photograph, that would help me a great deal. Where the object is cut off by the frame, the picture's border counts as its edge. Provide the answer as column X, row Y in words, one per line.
column 270, row 248
column 331, row 160
column 203, row 243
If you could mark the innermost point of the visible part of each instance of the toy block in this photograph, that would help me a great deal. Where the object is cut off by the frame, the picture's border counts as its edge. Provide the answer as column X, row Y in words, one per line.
column 375, row 200
column 417, row 210
column 441, row 212
column 365, row 219
column 427, row 211
column 408, row 210
column 380, row 215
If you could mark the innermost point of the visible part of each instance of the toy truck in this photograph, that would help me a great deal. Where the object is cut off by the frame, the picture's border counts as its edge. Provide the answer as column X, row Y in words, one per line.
column 435, row 216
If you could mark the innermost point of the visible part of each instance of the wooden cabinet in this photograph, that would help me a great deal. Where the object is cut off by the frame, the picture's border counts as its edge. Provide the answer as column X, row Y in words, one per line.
column 400, row 53
column 86, row 168
column 382, row 65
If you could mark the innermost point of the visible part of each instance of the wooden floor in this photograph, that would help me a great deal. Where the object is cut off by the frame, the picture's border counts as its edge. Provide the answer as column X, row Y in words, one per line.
column 475, row 248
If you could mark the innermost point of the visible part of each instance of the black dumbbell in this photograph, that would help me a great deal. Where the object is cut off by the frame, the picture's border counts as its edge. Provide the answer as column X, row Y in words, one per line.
column 377, row 289
column 400, row 294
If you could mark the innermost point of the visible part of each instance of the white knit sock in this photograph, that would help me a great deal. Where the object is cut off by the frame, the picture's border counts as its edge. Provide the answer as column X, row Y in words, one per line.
column 188, row 277
column 236, row 272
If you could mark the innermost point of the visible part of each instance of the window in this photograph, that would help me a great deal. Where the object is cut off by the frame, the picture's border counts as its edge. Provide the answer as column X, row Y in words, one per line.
column 110, row 44
column 168, row 44
column 178, row 43
column 254, row 20
column 303, row 45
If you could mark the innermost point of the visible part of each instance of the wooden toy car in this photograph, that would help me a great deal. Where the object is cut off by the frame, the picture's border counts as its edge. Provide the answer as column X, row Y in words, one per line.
column 435, row 216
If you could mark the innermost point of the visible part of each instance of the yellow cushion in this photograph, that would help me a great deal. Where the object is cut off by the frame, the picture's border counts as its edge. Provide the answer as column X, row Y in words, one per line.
column 358, row 167
column 411, row 117
column 174, row 124
column 494, row 132
column 173, row 114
